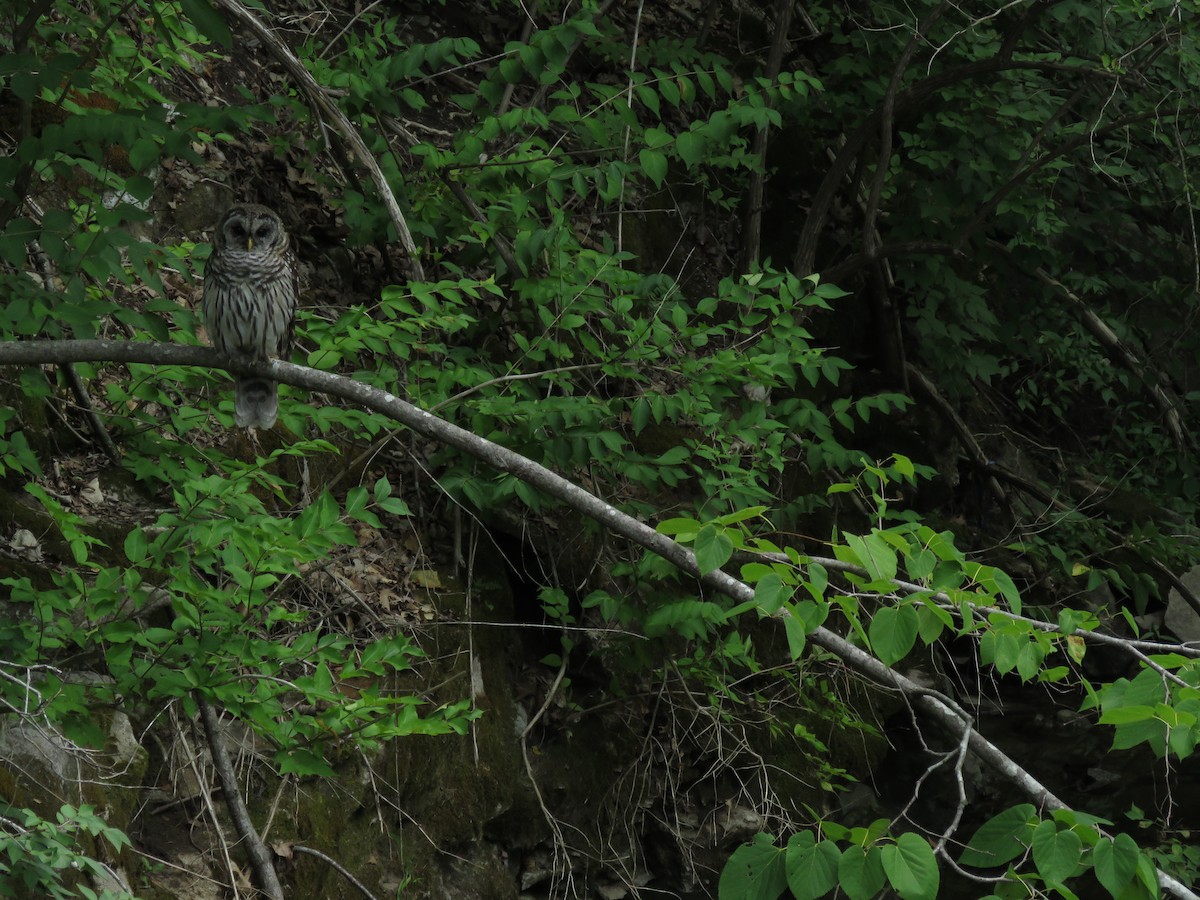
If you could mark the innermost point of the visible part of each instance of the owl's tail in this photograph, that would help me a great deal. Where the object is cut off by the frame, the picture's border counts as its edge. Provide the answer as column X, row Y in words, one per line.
column 257, row 403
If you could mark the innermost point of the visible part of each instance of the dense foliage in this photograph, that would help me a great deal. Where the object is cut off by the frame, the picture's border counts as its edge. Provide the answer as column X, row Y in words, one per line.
column 870, row 304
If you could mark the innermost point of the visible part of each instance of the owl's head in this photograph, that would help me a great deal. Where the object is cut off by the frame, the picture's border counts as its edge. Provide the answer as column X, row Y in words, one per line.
column 251, row 228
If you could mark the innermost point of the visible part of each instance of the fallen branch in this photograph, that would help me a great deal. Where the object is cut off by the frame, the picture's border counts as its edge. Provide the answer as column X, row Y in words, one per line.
column 938, row 706
column 260, row 857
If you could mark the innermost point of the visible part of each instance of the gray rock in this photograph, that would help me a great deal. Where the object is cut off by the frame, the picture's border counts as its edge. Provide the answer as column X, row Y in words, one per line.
column 1181, row 620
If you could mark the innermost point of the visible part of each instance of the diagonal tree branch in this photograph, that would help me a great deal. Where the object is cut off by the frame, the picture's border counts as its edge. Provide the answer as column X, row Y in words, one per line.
column 322, row 102
column 260, row 857
column 938, row 706
column 1156, row 384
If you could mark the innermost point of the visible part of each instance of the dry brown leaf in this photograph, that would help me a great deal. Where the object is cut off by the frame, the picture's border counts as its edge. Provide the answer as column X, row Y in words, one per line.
column 426, row 578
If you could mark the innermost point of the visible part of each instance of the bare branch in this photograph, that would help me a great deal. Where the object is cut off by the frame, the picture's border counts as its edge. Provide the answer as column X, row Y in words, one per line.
column 260, row 857
column 887, row 114
column 752, row 216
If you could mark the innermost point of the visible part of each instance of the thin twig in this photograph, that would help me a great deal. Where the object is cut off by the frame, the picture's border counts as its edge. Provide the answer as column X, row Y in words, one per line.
column 965, row 436
column 20, row 182
column 210, row 809
column 46, row 270
column 501, row 245
column 337, row 867
column 1121, row 353
column 526, row 32
column 1090, row 134
column 887, row 115
column 633, row 48
column 560, row 841
column 536, row 717
column 539, row 95
column 377, row 445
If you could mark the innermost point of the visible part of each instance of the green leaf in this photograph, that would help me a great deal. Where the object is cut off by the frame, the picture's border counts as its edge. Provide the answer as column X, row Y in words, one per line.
column 656, row 137
column 654, row 164
column 860, row 872
column 1001, row 649
column 1122, row 715
column 770, row 593
column 640, row 415
column 683, row 529
column 810, row 614
column 1000, row 839
column 755, row 871
column 1056, row 853
column 713, row 549
column 382, row 488
column 893, row 632
column 142, row 154
column 208, row 21
column 911, row 867
column 690, row 146
column 741, row 515
column 1143, row 690
column 994, row 581
column 512, row 70
column 1147, row 874
column 931, row 621
column 649, row 96
column 812, row 867
column 1029, row 659
column 818, row 581
column 356, row 501
column 875, row 555
column 301, row 761
column 395, row 506
column 1115, row 861
column 690, row 618
column 793, row 629
column 829, row 291
column 903, row 465
column 135, row 546
column 674, row 456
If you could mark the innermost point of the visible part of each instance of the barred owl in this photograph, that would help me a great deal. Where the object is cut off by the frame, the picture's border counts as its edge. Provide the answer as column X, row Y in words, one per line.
column 250, row 290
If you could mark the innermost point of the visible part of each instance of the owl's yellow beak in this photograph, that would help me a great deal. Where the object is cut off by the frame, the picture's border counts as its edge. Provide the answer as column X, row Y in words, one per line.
column 249, row 243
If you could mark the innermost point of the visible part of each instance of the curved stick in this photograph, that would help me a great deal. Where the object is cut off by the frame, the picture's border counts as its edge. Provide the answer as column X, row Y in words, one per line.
column 320, row 99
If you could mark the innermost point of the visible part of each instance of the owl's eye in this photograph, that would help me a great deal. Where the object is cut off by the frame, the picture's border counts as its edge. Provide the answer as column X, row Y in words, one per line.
column 237, row 230
column 263, row 231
